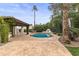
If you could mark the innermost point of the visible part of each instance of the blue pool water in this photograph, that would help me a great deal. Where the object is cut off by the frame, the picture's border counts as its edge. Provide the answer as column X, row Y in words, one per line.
column 40, row 35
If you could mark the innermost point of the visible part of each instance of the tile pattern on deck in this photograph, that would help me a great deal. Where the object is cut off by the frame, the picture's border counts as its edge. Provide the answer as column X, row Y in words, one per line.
column 28, row 46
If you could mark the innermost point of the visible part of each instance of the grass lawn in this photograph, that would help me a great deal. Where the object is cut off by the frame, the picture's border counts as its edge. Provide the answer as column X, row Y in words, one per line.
column 74, row 50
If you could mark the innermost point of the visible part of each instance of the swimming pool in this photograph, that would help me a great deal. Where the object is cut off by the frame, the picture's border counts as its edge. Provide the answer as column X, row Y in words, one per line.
column 41, row 35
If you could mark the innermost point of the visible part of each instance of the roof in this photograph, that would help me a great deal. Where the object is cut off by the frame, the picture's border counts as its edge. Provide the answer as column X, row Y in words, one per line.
column 17, row 21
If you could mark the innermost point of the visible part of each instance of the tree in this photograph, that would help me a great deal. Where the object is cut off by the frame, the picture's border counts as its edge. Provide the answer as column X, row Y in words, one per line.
column 57, row 24
column 4, row 31
column 75, row 20
column 64, row 9
column 34, row 10
column 74, row 15
column 65, row 23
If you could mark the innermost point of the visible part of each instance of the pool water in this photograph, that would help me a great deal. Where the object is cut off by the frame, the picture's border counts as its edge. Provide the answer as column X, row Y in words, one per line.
column 40, row 35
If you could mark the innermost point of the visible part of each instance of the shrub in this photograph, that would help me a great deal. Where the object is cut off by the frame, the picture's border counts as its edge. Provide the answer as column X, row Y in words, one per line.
column 59, row 34
column 30, row 30
column 75, row 31
column 4, row 33
column 40, row 28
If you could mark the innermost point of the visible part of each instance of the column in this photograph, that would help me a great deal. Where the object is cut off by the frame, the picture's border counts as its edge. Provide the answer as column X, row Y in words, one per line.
column 22, row 30
column 13, row 31
column 27, row 29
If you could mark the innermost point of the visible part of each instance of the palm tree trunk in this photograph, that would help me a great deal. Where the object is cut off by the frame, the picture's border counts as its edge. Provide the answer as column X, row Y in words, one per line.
column 34, row 18
column 65, row 24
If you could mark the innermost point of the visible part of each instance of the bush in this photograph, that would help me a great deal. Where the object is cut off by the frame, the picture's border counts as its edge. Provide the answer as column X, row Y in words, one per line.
column 4, row 33
column 42, row 27
column 38, row 28
column 75, row 31
column 57, row 25
column 59, row 34
column 30, row 30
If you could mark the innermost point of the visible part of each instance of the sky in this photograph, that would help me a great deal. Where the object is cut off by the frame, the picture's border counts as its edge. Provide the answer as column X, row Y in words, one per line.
column 23, row 11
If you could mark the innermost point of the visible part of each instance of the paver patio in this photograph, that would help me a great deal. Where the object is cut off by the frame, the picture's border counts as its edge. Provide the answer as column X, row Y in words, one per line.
column 26, row 45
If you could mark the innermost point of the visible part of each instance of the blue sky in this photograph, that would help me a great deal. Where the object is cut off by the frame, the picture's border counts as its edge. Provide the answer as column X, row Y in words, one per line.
column 23, row 11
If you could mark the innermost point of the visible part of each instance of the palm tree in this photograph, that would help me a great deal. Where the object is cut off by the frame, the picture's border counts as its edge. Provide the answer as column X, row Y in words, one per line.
column 64, row 8
column 65, row 23
column 34, row 10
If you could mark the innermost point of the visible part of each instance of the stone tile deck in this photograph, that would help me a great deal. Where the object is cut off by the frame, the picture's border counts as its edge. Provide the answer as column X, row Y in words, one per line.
column 29, row 46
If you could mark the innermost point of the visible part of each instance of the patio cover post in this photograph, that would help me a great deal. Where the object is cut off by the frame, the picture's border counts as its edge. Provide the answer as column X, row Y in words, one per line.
column 13, row 31
column 27, row 29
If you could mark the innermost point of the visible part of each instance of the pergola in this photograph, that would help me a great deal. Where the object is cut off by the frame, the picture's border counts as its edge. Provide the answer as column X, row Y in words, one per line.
column 17, row 23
